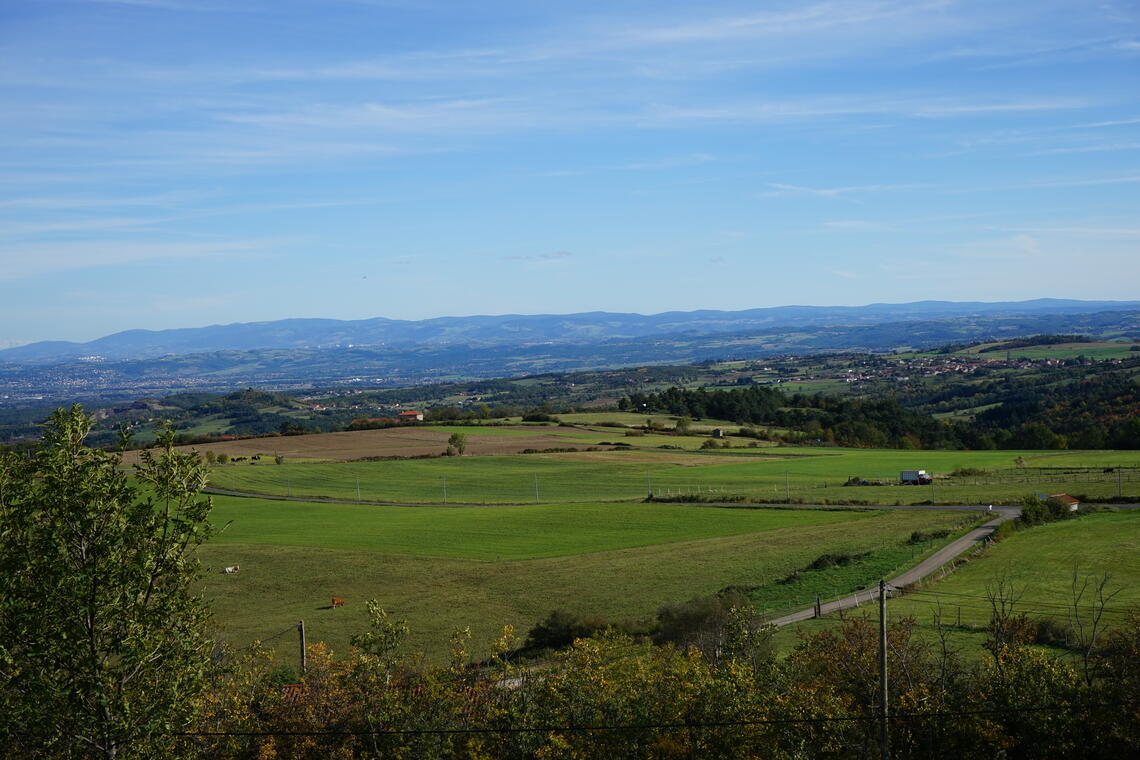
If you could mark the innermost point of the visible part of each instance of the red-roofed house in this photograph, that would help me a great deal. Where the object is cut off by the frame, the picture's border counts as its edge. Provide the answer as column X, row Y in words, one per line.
column 411, row 416
column 1073, row 503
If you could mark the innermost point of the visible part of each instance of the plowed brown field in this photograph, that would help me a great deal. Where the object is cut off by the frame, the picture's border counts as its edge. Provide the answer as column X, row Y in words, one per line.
column 401, row 441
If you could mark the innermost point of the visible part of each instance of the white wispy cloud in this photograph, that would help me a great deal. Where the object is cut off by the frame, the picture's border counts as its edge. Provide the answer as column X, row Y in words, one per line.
column 161, row 200
column 872, row 104
column 1096, row 148
column 857, row 224
column 1127, row 179
column 1021, row 246
column 1092, row 231
column 37, row 258
column 549, row 256
column 836, row 192
column 665, row 162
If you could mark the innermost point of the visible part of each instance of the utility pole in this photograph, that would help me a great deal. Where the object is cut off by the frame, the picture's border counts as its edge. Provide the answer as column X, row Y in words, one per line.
column 787, row 488
column 649, row 484
column 536, row 489
column 884, row 731
column 301, row 636
column 444, row 478
column 358, row 489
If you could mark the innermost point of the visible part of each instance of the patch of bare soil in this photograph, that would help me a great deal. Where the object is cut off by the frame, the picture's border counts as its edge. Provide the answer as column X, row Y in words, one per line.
column 401, row 441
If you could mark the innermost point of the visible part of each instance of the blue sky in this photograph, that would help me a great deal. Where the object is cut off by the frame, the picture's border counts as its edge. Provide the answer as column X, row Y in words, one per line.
column 175, row 163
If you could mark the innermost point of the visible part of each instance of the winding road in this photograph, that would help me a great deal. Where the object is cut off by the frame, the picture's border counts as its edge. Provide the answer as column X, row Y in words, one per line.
column 923, row 569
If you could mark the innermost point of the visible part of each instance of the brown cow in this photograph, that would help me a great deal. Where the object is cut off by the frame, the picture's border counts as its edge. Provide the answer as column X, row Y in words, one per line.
column 337, row 602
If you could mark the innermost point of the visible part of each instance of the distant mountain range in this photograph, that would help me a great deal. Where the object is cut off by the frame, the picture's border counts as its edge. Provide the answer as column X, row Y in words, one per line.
column 522, row 330
column 297, row 354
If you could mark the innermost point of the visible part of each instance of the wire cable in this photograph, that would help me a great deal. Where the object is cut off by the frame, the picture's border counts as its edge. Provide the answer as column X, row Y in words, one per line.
column 651, row 726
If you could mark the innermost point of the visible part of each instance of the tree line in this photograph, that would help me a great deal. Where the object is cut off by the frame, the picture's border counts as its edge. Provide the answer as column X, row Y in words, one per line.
column 1094, row 412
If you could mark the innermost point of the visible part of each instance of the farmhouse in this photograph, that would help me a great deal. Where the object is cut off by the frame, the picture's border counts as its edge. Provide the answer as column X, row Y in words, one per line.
column 411, row 416
column 1074, row 504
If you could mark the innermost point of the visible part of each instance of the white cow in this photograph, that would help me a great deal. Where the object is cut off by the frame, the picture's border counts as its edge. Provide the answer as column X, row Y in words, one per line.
column 230, row 570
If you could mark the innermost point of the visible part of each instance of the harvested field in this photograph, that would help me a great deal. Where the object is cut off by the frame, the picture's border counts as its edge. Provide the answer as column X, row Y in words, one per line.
column 401, row 441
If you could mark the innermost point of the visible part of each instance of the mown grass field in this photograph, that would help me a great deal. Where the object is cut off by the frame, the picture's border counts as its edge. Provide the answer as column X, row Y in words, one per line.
column 1091, row 349
column 1038, row 564
column 445, row 569
column 807, row 475
column 498, row 532
column 569, row 530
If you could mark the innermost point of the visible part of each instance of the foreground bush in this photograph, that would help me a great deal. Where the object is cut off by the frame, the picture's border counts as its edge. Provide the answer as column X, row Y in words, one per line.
column 613, row 696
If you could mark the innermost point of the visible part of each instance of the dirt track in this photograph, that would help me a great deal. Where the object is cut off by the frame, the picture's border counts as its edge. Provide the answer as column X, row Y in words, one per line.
column 922, row 570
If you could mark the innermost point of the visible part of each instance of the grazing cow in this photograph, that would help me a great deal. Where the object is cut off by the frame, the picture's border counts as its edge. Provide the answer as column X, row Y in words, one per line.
column 231, row 570
column 337, row 602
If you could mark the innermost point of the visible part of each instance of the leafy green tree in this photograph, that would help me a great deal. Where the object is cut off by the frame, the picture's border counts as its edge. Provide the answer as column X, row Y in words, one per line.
column 102, row 641
column 458, row 443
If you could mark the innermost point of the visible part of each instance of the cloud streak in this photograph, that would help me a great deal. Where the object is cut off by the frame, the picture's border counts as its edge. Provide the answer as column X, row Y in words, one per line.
column 549, row 256
column 32, row 259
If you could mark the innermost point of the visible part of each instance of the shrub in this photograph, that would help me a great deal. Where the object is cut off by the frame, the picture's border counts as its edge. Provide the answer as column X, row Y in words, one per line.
column 920, row 537
column 1053, row 633
column 560, row 628
column 539, row 417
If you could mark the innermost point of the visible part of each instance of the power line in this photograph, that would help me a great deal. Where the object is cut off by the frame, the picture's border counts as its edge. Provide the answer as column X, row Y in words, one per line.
column 652, row 726
column 1017, row 603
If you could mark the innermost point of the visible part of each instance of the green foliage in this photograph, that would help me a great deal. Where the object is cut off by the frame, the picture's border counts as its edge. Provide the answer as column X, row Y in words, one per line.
column 616, row 696
column 102, row 642
column 457, row 443
column 721, row 626
column 384, row 636
column 1035, row 510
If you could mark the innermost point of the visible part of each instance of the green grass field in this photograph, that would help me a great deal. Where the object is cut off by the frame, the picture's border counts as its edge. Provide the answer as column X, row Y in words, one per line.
column 808, row 475
column 1038, row 564
column 486, row 567
column 498, row 532
column 1092, row 350
column 569, row 530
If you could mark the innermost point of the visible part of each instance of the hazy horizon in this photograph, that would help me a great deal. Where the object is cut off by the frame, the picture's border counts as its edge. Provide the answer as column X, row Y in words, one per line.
column 13, row 344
